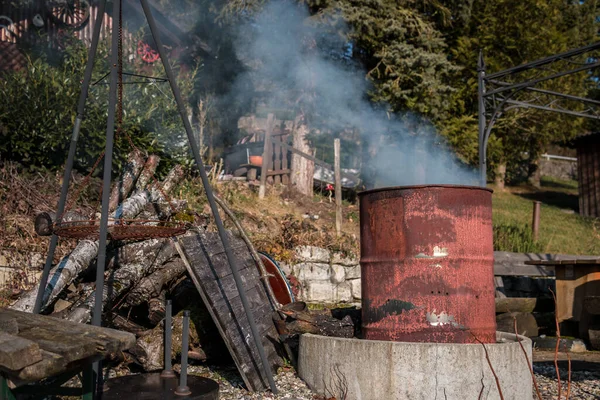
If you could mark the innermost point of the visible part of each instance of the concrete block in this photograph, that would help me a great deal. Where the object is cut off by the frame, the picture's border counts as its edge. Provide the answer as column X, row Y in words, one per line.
column 356, row 288
column 337, row 274
column 375, row 370
column 317, row 291
column 342, row 292
column 339, row 258
column 311, row 272
column 312, row 254
column 353, row 272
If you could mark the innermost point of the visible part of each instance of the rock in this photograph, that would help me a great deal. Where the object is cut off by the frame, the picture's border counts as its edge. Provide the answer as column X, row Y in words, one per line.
column 353, row 272
column 312, row 272
column 526, row 323
column 339, row 258
column 319, row 291
column 312, row 254
column 342, row 292
column 337, row 274
column 355, row 287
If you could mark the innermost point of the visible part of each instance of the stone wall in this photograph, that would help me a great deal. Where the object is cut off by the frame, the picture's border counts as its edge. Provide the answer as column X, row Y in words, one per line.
column 324, row 276
column 561, row 169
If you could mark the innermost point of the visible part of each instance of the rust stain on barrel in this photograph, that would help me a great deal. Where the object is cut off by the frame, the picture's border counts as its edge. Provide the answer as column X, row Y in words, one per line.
column 427, row 264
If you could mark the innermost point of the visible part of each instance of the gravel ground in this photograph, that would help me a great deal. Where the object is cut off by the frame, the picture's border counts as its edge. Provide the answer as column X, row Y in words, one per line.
column 290, row 386
column 584, row 384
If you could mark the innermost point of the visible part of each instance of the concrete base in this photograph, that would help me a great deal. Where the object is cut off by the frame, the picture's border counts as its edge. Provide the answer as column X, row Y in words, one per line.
column 376, row 370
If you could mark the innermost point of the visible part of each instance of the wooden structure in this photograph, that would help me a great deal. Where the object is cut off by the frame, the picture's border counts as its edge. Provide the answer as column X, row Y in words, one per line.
column 208, row 267
column 35, row 347
column 588, row 172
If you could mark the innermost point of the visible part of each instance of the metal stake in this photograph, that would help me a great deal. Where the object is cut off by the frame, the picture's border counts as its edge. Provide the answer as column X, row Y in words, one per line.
column 209, row 195
column 85, row 85
column 168, row 371
column 183, row 389
column 110, row 133
column 482, row 121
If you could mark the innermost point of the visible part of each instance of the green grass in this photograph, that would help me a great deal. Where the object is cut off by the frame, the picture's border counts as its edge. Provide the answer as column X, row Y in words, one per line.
column 562, row 230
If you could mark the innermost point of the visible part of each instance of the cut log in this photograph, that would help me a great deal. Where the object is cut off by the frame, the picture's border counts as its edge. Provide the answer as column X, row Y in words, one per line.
column 80, row 258
column 147, row 173
column 8, row 325
column 123, row 278
column 121, row 323
column 515, row 304
column 17, row 353
column 149, row 350
column 43, row 221
column 152, row 285
column 156, row 308
column 130, row 172
column 302, row 169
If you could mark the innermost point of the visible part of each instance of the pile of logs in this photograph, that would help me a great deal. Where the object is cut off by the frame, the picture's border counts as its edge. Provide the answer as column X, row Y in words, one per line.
column 141, row 274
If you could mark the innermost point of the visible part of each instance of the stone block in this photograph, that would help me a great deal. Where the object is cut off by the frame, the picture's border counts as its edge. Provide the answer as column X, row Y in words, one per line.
column 319, row 292
column 312, row 254
column 311, row 272
column 286, row 268
column 339, row 258
column 342, row 292
column 337, row 274
column 356, row 288
column 353, row 272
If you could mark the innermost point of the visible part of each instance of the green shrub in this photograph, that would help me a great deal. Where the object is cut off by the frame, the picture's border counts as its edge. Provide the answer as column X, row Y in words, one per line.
column 39, row 107
column 515, row 238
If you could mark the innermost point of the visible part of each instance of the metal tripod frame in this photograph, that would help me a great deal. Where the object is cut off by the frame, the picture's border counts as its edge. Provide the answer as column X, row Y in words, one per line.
column 110, row 130
column 497, row 94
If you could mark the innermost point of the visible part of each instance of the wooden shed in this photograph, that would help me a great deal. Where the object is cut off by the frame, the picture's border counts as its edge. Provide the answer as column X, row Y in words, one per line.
column 588, row 174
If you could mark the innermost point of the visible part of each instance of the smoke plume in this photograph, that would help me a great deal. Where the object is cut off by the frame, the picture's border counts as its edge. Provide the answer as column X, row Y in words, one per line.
column 299, row 64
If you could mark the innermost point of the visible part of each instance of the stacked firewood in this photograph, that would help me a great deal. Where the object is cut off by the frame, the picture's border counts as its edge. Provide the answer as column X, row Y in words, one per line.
column 141, row 274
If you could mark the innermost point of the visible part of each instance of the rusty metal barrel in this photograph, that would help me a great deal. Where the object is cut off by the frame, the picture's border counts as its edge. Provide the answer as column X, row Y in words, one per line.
column 427, row 264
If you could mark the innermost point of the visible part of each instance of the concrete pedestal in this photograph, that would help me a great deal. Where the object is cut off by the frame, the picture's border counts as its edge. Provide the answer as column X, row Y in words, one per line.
column 377, row 370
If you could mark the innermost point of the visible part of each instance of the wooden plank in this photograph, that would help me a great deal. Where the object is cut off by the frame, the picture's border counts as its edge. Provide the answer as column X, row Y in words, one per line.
column 285, row 179
column 278, row 173
column 214, row 281
column 17, row 353
column 277, row 162
column 522, row 270
column 266, row 158
column 580, row 177
column 338, row 187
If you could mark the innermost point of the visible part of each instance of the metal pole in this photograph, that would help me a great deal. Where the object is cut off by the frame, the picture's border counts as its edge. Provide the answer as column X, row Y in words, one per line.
column 209, row 196
column 183, row 389
column 85, row 85
column 482, row 121
column 110, row 133
column 535, row 224
column 168, row 371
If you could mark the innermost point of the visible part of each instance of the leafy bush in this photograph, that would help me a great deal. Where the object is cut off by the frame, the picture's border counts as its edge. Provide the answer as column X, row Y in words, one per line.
column 515, row 238
column 39, row 106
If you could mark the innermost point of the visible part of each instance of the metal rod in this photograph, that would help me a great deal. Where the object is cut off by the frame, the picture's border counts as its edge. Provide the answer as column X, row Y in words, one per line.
column 482, row 120
column 110, row 133
column 522, row 104
column 545, row 78
column 210, row 197
column 535, row 224
column 183, row 389
column 544, row 61
column 87, row 77
column 168, row 371
column 549, row 92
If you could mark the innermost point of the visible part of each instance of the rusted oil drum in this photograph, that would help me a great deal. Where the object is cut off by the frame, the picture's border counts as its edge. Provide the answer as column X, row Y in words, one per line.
column 427, row 264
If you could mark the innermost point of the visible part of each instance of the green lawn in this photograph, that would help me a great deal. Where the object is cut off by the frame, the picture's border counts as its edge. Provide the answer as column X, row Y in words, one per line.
column 562, row 230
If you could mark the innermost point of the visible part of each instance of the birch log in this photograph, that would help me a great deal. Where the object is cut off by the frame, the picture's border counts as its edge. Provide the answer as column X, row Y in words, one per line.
column 120, row 280
column 147, row 173
column 84, row 253
column 43, row 221
column 129, row 174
